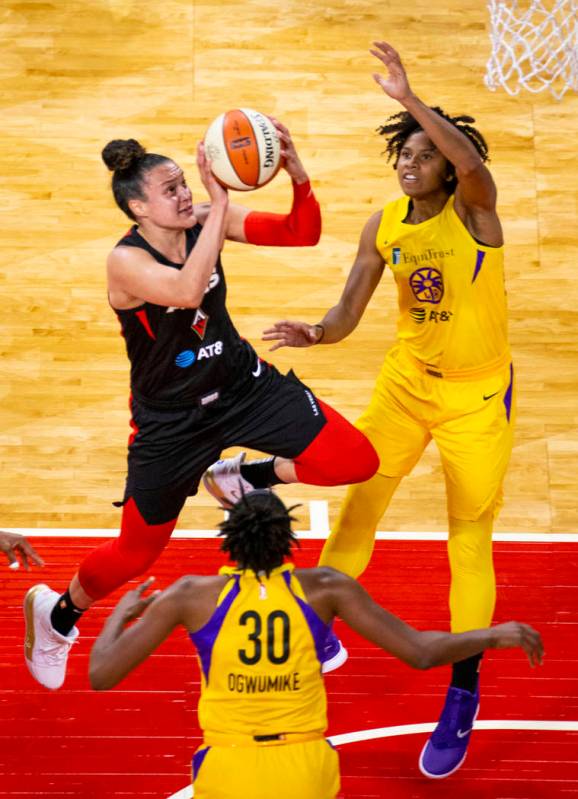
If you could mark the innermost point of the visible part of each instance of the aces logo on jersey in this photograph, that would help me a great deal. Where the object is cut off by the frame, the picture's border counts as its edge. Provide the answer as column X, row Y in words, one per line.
column 200, row 323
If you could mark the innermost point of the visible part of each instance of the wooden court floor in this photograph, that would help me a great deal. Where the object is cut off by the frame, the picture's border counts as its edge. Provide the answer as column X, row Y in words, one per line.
column 77, row 73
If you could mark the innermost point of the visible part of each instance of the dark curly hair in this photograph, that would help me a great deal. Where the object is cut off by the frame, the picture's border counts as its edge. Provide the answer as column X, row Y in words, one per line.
column 258, row 532
column 130, row 163
column 399, row 127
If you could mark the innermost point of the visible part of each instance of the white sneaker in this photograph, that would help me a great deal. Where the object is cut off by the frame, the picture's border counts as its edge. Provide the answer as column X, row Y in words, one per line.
column 45, row 649
column 224, row 482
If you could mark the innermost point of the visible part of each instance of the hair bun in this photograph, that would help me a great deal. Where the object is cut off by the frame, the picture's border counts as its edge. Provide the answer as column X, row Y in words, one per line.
column 121, row 154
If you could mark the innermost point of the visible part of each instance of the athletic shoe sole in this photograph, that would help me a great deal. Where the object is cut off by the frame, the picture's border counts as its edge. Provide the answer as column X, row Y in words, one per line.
column 438, row 776
column 426, row 773
column 213, row 488
column 336, row 661
column 30, row 637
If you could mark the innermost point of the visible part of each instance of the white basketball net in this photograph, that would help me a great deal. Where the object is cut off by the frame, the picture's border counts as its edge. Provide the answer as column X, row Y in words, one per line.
column 533, row 47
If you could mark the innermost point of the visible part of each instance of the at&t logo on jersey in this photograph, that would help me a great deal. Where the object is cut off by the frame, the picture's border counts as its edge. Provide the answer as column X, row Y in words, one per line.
column 427, row 284
column 420, row 315
column 187, row 358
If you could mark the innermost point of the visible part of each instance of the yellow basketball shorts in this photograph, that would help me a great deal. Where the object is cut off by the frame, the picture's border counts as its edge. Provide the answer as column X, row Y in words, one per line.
column 470, row 421
column 308, row 770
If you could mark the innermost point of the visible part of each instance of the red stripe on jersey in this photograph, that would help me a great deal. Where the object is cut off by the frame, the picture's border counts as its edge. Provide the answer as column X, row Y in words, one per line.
column 143, row 319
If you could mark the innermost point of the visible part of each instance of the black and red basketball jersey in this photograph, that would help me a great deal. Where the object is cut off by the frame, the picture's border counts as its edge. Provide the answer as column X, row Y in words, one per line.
column 182, row 356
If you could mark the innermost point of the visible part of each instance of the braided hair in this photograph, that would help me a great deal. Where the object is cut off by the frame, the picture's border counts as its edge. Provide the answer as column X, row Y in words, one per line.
column 258, row 532
column 130, row 162
column 399, row 127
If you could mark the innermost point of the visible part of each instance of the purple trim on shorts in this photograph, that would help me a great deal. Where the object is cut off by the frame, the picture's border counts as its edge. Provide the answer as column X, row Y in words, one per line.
column 319, row 630
column 204, row 639
column 198, row 759
column 479, row 261
column 508, row 394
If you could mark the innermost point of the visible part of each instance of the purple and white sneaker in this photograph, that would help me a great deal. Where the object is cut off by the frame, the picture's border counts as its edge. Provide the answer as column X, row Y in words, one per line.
column 334, row 654
column 446, row 750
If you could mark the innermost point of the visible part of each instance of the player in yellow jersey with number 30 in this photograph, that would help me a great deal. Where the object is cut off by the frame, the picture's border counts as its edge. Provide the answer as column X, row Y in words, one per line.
column 449, row 377
column 260, row 629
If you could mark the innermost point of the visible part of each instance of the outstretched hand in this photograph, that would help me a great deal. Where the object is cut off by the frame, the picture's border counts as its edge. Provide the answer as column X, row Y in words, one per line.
column 396, row 84
column 133, row 603
column 291, row 334
column 514, row 633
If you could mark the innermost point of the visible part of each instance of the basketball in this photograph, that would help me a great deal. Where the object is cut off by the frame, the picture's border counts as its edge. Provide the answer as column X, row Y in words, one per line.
column 243, row 148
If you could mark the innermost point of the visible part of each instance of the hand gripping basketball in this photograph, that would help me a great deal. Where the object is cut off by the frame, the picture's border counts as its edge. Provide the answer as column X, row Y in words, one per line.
column 244, row 149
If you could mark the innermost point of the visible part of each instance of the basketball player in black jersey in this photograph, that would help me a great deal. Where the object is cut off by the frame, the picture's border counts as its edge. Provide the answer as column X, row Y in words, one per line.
column 196, row 386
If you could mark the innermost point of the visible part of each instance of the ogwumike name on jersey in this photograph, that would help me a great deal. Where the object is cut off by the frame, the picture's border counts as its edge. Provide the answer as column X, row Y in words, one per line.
column 263, row 683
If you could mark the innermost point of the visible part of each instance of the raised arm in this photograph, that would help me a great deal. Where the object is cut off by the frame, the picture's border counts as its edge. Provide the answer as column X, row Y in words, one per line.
column 423, row 650
column 118, row 650
column 344, row 317
column 134, row 276
column 475, row 197
column 190, row 602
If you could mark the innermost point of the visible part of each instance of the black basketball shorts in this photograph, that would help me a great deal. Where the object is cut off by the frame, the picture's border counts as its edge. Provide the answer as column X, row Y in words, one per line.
column 274, row 413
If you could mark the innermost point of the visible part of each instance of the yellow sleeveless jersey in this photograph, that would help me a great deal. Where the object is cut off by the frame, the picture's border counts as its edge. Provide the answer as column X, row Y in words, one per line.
column 260, row 656
column 451, row 292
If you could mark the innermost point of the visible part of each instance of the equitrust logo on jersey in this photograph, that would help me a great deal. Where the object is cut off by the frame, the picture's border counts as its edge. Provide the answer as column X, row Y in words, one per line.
column 429, row 254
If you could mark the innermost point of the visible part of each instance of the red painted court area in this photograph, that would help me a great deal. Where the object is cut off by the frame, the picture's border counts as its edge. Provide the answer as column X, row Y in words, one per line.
column 137, row 740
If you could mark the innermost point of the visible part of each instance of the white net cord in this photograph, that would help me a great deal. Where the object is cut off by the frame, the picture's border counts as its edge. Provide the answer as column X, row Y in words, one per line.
column 535, row 48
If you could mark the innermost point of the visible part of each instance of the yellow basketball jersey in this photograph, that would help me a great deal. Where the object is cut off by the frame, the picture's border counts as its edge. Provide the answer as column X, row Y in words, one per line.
column 260, row 657
column 451, row 292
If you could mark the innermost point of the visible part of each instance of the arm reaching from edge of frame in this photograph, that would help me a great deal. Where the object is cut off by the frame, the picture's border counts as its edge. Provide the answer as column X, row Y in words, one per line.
column 15, row 545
